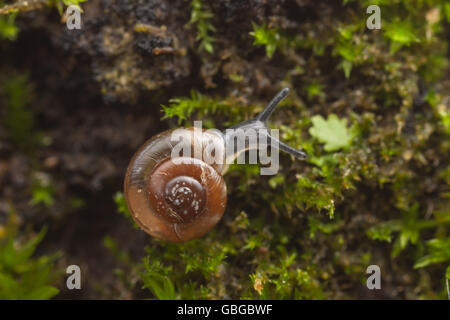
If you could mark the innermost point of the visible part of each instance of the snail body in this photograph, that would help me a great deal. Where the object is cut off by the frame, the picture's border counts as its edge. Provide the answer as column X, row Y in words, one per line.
column 181, row 198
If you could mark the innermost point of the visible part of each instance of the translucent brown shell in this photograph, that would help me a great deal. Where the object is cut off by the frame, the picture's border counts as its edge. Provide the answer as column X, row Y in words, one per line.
column 154, row 191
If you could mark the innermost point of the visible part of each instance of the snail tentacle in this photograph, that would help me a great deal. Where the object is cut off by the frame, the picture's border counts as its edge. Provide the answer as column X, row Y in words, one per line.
column 267, row 112
column 259, row 124
column 286, row 148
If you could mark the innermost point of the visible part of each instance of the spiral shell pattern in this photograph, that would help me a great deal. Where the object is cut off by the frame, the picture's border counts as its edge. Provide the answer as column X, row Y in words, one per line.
column 174, row 200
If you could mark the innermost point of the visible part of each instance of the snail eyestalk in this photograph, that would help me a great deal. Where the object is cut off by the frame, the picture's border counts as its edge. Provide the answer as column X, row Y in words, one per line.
column 287, row 148
column 268, row 110
column 259, row 124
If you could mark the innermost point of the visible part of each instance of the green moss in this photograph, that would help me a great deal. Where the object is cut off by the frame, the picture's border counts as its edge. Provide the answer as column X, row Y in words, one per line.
column 23, row 276
column 201, row 17
column 20, row 6
column 122, row 207
column 204, row 107
column 183, row 107
column 400, row 33
column 59, row 4
column 8, row 28
column 349, row 47
column 269, row 38
column 16, row 92
column 439, row 252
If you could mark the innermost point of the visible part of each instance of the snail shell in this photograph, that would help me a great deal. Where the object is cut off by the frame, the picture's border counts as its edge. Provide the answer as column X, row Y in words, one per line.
column 175, row 200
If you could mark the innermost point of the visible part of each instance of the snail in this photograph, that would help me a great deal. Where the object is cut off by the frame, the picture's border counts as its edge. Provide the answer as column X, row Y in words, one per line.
column 181, row 198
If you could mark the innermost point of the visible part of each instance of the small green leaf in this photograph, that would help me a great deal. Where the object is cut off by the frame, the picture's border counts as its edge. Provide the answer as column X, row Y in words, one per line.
column 276, row 181
column 43, row 293
column 8, row 28
column 383, row 231
column 315, row 90
column 439, row 252
column 346, row 66
column 400, row 33
column 156, row 279
column 269, row 38
column 22, row 276
column 43, row 195
column 333, row 132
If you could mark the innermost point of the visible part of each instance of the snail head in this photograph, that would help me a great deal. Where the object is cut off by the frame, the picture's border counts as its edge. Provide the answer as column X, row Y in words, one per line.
column 259, row 123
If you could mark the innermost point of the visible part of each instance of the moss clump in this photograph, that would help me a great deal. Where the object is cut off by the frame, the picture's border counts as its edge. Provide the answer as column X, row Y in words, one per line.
column 23, row 276
column 201, row 17
column 18, row 119
column 8, row 28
